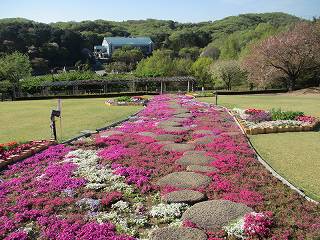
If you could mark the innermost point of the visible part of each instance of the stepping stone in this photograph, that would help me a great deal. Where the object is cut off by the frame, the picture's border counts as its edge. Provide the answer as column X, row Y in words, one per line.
column 181, row 111
column 215, row 214
column 172, row 233
column 169, row 123
column 179, row 120
column 203, row 140
column 202, row 132
column 199, row 168
column 178, row 147
column 183, row 115
column 184, row 180
column 147, row 134
column 193, row 152
column 194, row 159
column 184, row 196
column 164, row 142
column 167, row 137
column 175, row 129
column 110, row 133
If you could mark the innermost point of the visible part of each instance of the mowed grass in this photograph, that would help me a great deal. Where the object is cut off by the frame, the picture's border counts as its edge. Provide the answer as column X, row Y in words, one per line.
column 296, row 156
column 29, row 120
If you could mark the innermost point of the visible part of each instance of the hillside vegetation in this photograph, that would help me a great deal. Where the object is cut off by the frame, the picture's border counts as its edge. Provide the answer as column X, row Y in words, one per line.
column 60, row 44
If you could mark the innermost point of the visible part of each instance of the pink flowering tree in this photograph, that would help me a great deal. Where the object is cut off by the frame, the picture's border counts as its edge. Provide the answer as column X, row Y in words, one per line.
column 285, row 57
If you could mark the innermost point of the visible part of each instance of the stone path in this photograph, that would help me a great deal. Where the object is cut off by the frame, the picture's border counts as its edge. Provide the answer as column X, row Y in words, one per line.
column 207, row 215
column 213, row 215
column 196, row 158
column 178, row 147
column 184, row 180
column 184, row 196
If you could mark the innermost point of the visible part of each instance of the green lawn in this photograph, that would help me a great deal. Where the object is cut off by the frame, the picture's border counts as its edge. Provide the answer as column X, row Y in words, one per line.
column 28, row 120
column 296, row 156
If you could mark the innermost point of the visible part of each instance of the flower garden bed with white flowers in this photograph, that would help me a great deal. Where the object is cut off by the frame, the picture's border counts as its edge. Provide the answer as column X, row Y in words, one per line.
column 127, row 101
column 256, row 121
column 110, row 186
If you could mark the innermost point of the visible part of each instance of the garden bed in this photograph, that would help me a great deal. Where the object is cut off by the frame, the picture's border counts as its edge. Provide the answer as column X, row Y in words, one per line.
column 179, row 168
column 12, row 152
column 256, row 121
column 127, row 101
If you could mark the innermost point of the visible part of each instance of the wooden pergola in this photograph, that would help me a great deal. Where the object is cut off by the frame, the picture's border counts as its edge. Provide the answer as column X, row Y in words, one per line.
column 162, row 81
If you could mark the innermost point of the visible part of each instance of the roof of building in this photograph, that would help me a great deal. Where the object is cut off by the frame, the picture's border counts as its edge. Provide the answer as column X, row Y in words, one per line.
column 128, row 40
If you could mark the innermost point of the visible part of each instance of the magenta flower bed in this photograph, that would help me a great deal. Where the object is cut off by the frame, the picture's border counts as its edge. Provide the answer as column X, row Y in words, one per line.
column 62, row 197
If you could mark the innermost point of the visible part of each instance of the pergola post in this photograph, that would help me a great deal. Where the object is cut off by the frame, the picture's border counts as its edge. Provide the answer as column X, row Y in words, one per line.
column 105, row 87
column 188, row 90
column 161, row 87
column 75, row 89
column 133, row 86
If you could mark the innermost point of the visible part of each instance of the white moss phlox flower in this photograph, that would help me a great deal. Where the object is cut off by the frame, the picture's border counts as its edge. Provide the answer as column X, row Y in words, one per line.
column 168, row 210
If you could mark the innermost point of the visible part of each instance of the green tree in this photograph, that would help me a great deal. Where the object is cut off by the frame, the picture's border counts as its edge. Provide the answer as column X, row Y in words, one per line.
column 14, row 67
column 189, row 53
column 227, row 72
column 182, row 67
column 201, row 70
column 159, row 64
column 128, row 55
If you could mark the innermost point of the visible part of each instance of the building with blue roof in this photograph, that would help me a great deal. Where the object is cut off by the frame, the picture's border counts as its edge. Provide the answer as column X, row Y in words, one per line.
column 110, row 44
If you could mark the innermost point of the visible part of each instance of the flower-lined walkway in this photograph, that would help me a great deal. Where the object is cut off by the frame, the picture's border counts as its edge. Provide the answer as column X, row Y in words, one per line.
column 179, row 170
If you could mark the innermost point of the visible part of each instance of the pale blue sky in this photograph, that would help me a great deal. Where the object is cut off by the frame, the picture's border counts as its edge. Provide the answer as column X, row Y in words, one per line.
column 178, row 10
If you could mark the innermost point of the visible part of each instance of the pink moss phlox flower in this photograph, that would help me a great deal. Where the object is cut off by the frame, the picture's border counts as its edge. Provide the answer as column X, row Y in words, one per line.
column 67, row 229
column 250, row 198
column 306, row 119
column 19, row 235
column 114, row 152
column 258, row 224
column 168, row 189
column 133, row 175
column 59, row 177
column 189, row 224
column 111, row 197
column 220, row 184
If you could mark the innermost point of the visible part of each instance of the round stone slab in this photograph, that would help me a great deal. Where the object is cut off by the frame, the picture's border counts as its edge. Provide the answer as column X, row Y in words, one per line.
column 194, row 152
column 147, row 134
column 180, row 111
column 164, row 142
column 171, row 233
column 194, row 159
column 215, row 214
column 110, row 133
column 171, row 129
column 184, row 196
column 169, row 123
column 199, row 168
column 202, row 132
column 203, row 140
column 166, row 137
column 184, row 180
column 183, row 115
column 178, row 147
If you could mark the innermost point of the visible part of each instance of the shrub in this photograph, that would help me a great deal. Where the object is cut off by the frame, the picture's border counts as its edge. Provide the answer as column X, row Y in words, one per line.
column 278, row 114
column 124, row 99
